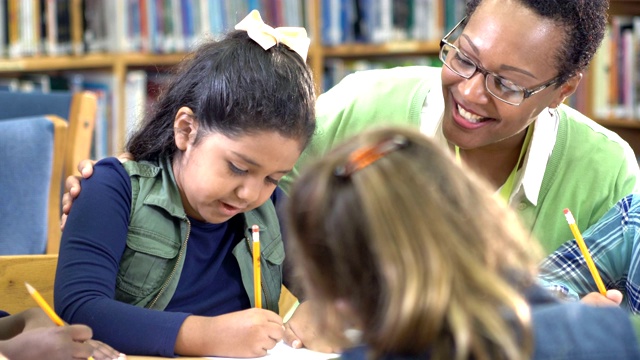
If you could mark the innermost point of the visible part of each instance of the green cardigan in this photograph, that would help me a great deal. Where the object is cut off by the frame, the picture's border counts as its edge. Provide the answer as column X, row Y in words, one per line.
column 589, row 170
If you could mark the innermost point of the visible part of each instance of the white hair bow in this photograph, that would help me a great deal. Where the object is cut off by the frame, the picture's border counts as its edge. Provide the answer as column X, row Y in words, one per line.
column 266, row 36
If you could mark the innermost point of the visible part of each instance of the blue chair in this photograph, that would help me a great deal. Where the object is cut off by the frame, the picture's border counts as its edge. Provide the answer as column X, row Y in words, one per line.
column 78, row 109
column 32, row 150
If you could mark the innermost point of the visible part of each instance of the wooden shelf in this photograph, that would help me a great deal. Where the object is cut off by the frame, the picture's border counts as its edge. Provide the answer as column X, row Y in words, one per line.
column 389, row 49
column 91, row 61
column 119, row 64
column 623, row 123
column 52, row 63
column 624, row 7
column 141, row 59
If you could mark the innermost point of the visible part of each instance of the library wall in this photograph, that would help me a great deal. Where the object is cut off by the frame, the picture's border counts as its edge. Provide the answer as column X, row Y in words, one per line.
column 122, row 49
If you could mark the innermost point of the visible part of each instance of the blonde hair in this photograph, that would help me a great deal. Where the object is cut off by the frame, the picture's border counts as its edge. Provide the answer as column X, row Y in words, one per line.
column 429, row 259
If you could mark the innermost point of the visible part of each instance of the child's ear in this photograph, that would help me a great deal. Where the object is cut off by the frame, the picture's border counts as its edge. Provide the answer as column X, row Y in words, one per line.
column 185, row 127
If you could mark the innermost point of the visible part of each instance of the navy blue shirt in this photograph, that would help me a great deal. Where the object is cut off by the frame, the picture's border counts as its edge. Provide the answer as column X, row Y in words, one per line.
column 92, row 244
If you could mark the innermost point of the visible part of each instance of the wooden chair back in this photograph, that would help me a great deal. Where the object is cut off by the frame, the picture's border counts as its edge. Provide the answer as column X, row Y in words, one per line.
column 82, row 121
column 38, row 270
column 54, row 213
column 79, row 109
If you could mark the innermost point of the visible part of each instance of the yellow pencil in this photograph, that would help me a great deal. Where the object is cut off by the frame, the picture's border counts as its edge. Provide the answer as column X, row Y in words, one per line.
column 257, row 280
column 585, row 252
column 46, row 308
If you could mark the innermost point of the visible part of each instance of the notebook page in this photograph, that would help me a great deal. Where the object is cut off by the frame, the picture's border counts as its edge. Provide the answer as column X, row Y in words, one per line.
column 283, row 351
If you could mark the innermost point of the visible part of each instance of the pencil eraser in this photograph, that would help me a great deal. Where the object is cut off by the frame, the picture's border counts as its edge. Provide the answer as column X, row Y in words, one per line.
column 566, row 211
column 255, row 228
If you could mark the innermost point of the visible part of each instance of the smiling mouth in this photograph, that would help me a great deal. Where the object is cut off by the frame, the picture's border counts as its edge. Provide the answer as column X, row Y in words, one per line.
column 469, row 116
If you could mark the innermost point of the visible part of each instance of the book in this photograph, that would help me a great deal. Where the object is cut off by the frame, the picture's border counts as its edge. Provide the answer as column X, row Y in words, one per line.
column 135, row 100
column 4, row 20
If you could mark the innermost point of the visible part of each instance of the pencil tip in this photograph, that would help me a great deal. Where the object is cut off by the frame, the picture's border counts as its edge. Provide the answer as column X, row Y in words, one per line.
column 29, row 287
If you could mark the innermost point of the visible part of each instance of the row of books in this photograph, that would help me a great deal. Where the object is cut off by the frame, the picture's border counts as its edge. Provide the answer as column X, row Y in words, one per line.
column 336, row 69
column 141, row 91
column 61, row 27
column 378, row 21
column 142, row 88
column 615, row 72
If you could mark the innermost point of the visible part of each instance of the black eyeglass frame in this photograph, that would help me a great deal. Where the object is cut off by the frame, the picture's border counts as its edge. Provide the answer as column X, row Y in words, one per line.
column 479, row 69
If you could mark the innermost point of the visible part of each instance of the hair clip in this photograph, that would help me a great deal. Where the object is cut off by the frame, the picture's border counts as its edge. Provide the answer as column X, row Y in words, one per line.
column 363, row 157
column 294, row 37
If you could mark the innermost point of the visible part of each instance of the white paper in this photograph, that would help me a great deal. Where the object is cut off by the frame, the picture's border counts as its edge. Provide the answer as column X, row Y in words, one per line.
column 283, row 351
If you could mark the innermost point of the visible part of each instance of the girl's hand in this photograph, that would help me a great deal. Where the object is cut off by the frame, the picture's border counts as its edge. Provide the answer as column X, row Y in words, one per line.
column 302, row 331
column 613, row 298
column 55, row 343
column 247, row 333
column 102, row 351
column 35, row 318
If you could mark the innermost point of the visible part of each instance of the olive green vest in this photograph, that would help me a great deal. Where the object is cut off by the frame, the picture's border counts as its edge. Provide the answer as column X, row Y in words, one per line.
column 159, row 230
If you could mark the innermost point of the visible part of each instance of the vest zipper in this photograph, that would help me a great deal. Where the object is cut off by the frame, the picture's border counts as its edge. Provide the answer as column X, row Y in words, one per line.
column 262, row 288
column 182, row 249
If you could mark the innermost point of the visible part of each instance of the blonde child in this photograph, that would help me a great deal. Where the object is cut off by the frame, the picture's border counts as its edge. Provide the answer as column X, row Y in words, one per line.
column 410, row 256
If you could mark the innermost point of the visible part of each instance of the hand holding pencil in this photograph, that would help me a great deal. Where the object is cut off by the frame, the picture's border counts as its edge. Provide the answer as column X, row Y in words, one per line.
column 77, row 337
column 585, row 252
column 257, row 274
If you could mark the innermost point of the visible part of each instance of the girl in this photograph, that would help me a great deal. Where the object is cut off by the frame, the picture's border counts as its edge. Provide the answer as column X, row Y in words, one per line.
column 155, row 255
column 413, row 257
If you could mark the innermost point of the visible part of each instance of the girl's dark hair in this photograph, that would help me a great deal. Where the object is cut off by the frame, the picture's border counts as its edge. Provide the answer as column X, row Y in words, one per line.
column 234, row 87
column 584, row 22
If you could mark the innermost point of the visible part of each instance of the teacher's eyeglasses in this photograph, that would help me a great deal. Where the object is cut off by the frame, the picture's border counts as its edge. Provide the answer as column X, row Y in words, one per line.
column 501, row 88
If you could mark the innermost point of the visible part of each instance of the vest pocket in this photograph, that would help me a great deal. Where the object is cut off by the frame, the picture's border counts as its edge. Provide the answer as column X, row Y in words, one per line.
column 145, row 265
column 273, row 254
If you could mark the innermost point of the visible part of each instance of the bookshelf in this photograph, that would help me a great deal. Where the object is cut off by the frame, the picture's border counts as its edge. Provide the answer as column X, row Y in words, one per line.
column 611, row 89
column 116, row 64
column 348, row 51
column 381, row 33
column 113, row 39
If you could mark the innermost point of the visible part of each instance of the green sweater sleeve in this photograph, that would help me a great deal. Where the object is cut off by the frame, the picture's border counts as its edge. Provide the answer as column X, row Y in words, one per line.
column 589, row 170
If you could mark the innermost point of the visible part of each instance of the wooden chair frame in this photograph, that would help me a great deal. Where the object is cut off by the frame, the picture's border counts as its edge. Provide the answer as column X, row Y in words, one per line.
column 38, row 270
column 53, row 215
column 82, row 120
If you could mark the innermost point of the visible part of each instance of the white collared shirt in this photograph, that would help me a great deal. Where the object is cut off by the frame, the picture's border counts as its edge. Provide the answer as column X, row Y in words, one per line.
column 535, row 162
